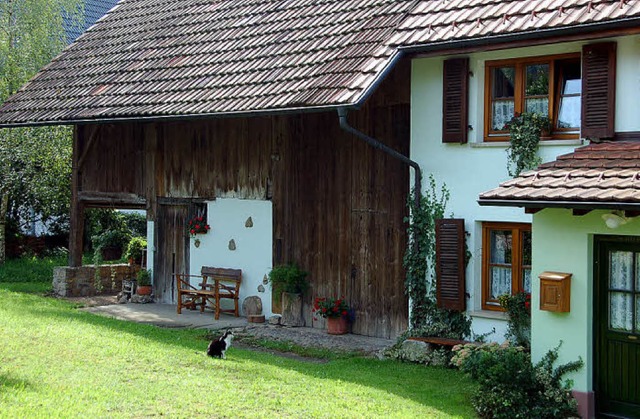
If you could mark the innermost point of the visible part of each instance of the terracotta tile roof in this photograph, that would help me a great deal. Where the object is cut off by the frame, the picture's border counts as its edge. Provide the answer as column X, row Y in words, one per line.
column 605, row 174
column 169, row 58
column 432, row 22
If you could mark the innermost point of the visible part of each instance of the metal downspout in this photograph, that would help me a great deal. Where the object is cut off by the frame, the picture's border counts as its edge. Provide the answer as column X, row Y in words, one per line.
column 344, row 124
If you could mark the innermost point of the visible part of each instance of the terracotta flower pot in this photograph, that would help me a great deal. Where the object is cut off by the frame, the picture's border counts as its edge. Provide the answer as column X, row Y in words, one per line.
column 337, row 325
column 143, row 290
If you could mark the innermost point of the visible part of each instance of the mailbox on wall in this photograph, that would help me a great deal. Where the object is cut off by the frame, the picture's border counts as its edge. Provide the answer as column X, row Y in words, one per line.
column 555, row 291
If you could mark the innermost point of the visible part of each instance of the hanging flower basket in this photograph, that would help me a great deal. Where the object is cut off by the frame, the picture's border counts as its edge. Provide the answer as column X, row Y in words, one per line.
column 197, row 225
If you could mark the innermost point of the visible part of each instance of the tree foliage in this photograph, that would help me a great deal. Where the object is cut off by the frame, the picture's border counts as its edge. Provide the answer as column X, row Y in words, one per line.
column 36, row 170
column 35, row 164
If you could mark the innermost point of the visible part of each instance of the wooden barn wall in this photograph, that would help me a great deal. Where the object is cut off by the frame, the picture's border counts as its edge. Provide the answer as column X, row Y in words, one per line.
column 338, row 203
column 112, row 158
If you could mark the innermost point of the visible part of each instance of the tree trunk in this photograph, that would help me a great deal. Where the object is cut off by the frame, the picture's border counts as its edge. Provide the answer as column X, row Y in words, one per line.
column 292, row 310
column 4, row 205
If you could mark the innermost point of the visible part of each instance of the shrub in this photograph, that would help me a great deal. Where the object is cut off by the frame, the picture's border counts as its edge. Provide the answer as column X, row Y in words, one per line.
column 136, row 222
column 511, row 387
column 135, row 247
column 111, row 238
column 288, row 278
column 518, row 307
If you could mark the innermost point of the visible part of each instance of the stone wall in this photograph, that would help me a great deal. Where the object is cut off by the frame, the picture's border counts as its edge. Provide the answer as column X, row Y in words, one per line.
column 81, row 281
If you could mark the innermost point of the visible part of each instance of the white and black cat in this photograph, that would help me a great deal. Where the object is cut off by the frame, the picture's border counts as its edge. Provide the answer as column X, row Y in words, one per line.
column 217, row 348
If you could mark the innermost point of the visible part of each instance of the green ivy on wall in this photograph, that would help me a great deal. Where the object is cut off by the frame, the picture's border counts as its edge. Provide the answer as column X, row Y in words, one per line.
column 426, row 319
column 525, row 130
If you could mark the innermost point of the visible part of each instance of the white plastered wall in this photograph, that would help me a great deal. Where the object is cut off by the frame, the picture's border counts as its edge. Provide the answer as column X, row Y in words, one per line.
column 253, row 245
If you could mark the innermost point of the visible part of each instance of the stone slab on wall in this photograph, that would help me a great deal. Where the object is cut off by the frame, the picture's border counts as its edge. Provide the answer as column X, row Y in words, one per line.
column 81, row 281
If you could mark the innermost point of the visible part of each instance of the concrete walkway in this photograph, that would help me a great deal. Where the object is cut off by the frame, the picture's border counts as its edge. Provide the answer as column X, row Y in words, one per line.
column 165, row 315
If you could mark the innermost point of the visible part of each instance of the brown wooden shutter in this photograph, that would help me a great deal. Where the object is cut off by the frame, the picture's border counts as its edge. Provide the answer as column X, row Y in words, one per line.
column 455, row 97
column 598, row 90
column 450, row 264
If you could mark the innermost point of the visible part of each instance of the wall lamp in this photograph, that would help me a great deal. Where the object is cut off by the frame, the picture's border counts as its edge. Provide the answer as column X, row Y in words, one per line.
column 615, row 219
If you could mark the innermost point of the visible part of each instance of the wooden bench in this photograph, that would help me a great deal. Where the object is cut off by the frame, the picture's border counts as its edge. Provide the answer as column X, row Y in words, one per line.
column 440, row 341
column 214, row 284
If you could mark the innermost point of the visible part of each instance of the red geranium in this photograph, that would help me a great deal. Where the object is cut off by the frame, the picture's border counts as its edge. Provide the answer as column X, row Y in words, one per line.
column 331, row 307
column 197, row 225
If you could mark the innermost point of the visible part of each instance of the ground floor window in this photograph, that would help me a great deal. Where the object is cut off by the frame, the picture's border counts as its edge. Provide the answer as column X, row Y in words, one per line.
column 506, row 257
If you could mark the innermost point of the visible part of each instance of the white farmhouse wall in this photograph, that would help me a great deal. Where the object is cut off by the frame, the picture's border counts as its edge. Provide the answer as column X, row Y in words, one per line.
column 253, row 245
column 470, row 169
column 628, row 84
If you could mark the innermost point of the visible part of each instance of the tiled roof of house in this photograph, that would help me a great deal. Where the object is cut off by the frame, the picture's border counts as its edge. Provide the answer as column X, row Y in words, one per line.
column 605, row 173
column 169, row 58
column 440, row 21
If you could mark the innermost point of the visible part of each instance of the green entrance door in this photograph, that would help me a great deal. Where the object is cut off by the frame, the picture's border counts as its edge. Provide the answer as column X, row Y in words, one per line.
column 617, row 327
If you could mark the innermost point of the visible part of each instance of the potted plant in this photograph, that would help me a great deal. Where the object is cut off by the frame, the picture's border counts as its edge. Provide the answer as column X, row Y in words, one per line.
column 133, row 253
column 525, row 130
column 336, row 311
column 144, row 282
column 288, row 283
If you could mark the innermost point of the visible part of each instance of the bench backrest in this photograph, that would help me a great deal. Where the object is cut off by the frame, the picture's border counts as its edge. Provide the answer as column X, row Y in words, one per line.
column 223, row 274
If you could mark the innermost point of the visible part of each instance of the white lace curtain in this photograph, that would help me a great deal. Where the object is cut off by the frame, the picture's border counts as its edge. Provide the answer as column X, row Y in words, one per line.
column 502, row 113
column 622, row 274
column 500, row 281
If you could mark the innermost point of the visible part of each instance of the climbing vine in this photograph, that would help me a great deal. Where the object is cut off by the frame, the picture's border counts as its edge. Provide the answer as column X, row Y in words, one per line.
column 426, row 319
column 525, row 130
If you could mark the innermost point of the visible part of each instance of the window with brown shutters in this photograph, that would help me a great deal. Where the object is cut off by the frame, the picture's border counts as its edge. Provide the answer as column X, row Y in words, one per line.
column 548, row 85
column 455, row 100
column 450, row 264
column 598, row 90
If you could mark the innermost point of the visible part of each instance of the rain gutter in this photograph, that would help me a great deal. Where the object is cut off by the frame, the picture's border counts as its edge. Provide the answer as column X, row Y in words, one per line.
column 163, row 118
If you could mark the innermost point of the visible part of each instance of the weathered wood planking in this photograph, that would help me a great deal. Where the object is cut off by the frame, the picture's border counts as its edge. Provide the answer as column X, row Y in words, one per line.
column 338, row 204
column 172, row 252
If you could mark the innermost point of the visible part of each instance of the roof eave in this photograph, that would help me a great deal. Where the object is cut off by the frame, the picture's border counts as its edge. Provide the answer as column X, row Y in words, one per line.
column 542, row 204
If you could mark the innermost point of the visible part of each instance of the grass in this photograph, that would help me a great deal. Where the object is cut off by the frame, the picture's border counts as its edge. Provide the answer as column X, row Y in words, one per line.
column 293, row 348
column 58, row 361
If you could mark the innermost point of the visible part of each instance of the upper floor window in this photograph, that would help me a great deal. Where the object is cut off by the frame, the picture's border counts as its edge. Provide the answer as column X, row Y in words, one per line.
column 550, row 86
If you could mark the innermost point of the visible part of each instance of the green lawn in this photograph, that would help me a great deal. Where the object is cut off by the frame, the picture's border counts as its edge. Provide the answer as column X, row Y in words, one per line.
column 57, row 361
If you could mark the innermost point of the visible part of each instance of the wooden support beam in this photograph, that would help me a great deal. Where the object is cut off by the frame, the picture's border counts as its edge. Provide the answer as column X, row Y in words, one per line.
column 532, row 210
column 76, row 228
column 150, row 178
column 111, row 199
